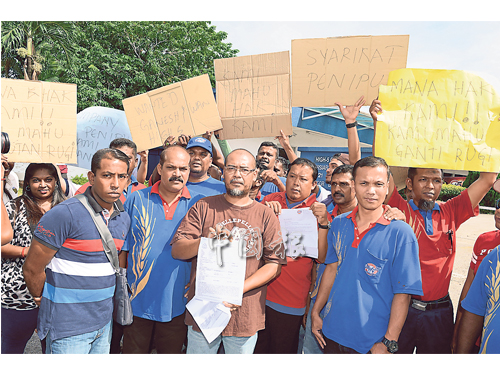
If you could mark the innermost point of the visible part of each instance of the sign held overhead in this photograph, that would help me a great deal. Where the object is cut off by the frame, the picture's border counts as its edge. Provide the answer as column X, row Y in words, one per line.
column 253, row 95
column 329, row 70
column 439, row 119
column 186, row 107
column 40, row 118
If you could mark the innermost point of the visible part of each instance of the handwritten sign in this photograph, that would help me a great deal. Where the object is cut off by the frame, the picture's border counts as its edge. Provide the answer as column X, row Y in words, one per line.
column 40, row 118
column 253, row 95
column 329, row 70
column 186, row 107
column 439, row 119
column 96, row 128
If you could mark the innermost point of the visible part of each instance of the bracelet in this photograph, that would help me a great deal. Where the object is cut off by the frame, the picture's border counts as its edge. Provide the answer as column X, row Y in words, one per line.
column 22, row 252
column 348, row 126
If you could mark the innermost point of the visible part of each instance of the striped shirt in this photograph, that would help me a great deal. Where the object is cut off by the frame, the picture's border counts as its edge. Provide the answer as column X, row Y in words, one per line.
column 80, row 281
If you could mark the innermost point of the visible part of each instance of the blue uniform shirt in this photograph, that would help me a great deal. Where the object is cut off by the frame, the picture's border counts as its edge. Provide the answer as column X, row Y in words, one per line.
column 156, row 279
column 483, row 299
column 373, row 266
column 269, row 187
column 207, row 188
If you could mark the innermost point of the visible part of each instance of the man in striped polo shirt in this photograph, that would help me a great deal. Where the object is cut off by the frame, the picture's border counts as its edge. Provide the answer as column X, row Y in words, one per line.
column 68, row 273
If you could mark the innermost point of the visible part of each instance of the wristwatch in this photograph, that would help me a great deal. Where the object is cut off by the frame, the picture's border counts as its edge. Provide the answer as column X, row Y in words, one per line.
column 392, row 345
column 321, row 226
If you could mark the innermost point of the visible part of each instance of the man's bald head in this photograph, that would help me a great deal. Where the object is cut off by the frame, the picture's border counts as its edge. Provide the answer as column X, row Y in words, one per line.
column 172, row 149
column 239, row 153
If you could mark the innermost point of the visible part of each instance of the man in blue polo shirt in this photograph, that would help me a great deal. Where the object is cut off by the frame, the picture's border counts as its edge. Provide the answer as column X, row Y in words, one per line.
column 157, row 281
column 200, row 182
column 66, row 262
column 378, row 269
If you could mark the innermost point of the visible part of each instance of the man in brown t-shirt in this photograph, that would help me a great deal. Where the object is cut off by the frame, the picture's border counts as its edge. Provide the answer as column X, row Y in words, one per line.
column 218, row 215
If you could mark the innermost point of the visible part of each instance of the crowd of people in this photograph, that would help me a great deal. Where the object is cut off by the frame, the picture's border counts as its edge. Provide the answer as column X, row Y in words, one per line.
column 379, row 283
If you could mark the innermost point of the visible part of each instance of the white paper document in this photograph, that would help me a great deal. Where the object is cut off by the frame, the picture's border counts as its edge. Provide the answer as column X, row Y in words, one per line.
column 299, row 230
column 211, row 317
column 220, row 276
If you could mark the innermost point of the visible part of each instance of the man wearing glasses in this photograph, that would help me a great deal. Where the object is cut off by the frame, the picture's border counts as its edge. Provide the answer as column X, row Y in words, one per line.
column 485, row 243
column 224, row 216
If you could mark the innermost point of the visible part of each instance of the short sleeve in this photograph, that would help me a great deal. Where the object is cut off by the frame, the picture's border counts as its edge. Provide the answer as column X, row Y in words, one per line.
column 273, row 248
column 405, row 271
column 191, row 226
column 476, row 300
column 461, row 208
column 54, row 227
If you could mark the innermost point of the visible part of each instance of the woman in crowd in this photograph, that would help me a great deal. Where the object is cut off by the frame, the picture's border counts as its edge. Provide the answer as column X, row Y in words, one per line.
column 41, row 192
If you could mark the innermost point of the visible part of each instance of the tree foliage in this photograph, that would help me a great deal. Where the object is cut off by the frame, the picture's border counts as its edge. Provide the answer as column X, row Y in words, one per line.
column 116, row 60
column 490, row 197
column 29, row 49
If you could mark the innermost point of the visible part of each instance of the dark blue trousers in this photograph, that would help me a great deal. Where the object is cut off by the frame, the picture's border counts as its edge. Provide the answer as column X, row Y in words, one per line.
column 430, row 331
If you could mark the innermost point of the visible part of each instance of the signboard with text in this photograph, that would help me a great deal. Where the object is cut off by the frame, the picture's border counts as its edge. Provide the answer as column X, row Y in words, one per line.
column 330, row 70
column 253, row 95
column 40, row 119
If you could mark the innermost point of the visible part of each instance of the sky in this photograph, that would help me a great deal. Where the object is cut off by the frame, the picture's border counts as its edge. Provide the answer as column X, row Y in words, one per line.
column 471, row 46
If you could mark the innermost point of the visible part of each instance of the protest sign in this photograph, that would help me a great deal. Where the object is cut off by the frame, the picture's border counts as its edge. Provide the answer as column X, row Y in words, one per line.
column 40, row 118
column 186, row 107
column 329, row 70
column 439, row 119
column 253, row 95
column 96, row 128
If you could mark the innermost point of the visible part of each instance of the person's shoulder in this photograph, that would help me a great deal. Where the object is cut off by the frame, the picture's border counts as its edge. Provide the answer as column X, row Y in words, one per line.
column 278, row 196
column 402, row 228
column 213, row 181
column 139, row 186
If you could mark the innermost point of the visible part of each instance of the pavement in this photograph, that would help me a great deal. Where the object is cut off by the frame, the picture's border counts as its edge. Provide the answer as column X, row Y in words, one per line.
column 466, row 236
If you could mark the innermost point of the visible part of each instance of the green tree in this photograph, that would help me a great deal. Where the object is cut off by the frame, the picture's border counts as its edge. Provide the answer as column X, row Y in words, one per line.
column 116, row 60
column 490, row 197
column 29, row 49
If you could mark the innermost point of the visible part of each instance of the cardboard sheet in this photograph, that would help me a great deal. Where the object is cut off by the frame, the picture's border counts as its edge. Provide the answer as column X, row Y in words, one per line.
column 439, row 119
column 330, row 70
column 186, row 107
column 253, row 95
column 40, row 118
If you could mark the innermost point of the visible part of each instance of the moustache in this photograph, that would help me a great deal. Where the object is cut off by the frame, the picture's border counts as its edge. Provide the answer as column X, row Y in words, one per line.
column 175, row 178
column 340, row 195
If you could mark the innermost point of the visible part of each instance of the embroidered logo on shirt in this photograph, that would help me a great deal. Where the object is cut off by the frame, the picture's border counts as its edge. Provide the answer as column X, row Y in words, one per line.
column 371, row 269
column 44, row 231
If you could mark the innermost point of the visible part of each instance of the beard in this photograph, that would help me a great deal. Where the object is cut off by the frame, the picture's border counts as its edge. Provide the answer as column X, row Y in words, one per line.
column 426, row 205
column 236, row 192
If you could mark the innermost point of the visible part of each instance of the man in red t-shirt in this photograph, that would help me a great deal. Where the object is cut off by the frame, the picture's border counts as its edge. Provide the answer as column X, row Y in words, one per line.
column 482, row 247
column 287, row 293
column 429, row 324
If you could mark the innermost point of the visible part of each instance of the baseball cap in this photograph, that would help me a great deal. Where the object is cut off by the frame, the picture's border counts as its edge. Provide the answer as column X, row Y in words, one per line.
column 200, row 142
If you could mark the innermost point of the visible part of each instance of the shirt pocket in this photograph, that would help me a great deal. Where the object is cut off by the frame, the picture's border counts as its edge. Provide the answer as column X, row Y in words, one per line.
column 370, row 267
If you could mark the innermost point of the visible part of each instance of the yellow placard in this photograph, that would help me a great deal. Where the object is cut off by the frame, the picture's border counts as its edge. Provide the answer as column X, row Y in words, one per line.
column 439, row 119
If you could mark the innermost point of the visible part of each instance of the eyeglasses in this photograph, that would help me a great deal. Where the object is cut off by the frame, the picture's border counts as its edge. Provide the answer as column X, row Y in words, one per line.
column 231, row 169
column 342, row 185
column 497, row 204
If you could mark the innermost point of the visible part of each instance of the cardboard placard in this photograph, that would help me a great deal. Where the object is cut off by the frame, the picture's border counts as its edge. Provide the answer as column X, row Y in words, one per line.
column 253, row 95
column 96, row 128
column 330, row 70
column 40, row 118
column 186, row 107
column 439, row 119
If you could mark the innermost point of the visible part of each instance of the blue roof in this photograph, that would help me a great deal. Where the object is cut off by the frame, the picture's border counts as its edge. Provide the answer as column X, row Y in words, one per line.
column 332, row 123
